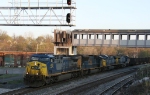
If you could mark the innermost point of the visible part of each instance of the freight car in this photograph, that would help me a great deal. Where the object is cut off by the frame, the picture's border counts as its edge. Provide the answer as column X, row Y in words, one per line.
column 136, row 61
column 45, row 68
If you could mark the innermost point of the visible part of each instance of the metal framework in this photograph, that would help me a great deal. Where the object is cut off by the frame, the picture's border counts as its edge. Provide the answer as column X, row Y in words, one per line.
column 36, row 13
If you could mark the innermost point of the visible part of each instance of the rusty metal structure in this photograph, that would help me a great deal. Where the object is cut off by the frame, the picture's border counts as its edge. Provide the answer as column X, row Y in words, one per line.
column 63, row 42
column 22, row 57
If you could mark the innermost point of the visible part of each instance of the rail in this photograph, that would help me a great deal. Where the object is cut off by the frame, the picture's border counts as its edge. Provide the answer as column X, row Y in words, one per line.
column 111, row 90
column 93, row 84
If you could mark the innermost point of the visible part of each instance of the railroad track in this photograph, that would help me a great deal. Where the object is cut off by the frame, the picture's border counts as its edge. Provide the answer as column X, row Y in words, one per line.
column 112, row 90
column 87, row 87
column 28, row 89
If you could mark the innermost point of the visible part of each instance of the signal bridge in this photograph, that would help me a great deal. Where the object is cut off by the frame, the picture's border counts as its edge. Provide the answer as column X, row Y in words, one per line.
column 37, row 13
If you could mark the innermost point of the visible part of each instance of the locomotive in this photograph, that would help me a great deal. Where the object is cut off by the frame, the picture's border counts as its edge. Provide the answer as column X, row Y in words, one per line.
column 46, row 68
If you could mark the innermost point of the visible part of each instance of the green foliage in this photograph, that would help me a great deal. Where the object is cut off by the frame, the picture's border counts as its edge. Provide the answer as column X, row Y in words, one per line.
column 142, row 88
column 143, row 72
column 15, row 81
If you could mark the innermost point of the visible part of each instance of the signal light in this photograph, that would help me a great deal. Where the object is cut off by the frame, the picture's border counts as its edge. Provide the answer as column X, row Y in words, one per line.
column 68, row 17
column 69, row 2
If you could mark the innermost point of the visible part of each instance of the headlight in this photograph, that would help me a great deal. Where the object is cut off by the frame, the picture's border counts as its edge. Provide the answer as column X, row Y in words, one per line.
column 35, row 63
column 27, row 73
column 37, row 74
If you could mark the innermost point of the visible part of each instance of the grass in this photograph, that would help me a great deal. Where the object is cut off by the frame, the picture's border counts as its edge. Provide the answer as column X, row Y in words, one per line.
column 15, row 81
column 12, row 84
column 9, row 75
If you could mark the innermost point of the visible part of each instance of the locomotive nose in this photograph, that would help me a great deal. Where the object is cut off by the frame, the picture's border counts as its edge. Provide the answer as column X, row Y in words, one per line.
column 36, row 68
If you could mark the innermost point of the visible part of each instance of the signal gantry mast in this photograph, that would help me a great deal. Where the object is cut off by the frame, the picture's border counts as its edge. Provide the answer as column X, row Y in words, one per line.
column 38, row 13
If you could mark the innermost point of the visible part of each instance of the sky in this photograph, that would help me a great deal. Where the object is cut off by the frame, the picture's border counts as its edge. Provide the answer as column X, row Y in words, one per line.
column 97, row 14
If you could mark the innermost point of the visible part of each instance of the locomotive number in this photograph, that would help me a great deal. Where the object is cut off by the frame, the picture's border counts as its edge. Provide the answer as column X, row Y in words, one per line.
column 35, row 67
column 51, row 66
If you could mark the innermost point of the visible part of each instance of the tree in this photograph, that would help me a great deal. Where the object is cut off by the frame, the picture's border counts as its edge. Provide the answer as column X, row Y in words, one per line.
column 4, row 40
column 19, row 43
column 40, row 39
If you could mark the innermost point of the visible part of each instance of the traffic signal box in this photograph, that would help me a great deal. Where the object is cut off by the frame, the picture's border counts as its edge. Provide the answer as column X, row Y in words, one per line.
column 68, row 17
column 69, row 2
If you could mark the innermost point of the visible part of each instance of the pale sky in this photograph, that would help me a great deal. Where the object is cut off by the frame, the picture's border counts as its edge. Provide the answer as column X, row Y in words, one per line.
column 98, row 14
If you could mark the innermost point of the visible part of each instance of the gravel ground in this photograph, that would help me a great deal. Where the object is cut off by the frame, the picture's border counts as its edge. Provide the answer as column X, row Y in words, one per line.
column 100, row 88
column 66, row 86
column 2, row 90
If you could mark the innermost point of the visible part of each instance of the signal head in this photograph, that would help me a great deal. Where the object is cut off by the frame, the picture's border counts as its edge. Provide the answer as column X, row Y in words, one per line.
column 68, row 17
column 69, row 2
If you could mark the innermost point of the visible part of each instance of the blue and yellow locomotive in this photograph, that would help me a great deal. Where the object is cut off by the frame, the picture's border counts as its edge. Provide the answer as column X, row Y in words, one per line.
column 46, row 68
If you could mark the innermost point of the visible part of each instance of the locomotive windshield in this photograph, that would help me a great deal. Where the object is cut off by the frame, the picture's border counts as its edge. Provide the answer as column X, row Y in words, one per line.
column 44, row 59
column 41, row 59
column 34, row 59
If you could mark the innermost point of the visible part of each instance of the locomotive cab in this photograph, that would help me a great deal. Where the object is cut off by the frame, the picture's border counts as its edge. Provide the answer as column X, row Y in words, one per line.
column 37, row 69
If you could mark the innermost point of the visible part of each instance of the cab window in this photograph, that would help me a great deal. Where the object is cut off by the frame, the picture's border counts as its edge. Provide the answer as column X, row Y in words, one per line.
column 44, row 59
column 34, row 59
column 51, row 60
